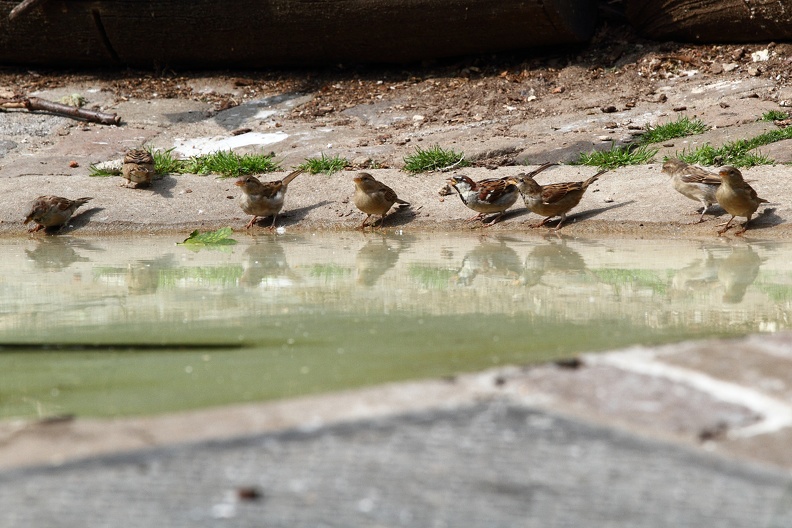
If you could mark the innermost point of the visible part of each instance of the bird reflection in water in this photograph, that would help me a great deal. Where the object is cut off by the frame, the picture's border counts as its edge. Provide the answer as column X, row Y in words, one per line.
column 738, row 271
column 699, row 275
column 377, row 256
column 266, row 261
column 57, row 253
column 732, row 274
column 554, row 256
column 494, row 259
column 144, row 276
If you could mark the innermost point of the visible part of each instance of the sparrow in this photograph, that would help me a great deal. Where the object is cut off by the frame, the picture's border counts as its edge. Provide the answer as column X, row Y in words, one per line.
column 374, row 197
column 693, row 182
column 555, row 199
column 50, row 211
column 138, row 167
column 263, row 199
column 492, row 195
column 736, row 197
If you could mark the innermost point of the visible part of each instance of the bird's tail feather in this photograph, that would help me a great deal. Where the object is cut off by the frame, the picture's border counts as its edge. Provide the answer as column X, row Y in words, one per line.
column 285, row 181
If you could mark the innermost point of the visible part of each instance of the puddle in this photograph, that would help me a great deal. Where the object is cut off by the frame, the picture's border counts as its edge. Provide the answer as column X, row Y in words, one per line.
column 117, row 327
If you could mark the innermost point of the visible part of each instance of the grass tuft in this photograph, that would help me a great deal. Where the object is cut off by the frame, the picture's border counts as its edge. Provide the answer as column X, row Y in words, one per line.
column 325, row 164
column 737, row 153
column 734, row 154
column 774, row 115
column 682, row 127
column 620, row 156
column 103, row 172
column 165, row 163
column 229, row 164
column 433, row 158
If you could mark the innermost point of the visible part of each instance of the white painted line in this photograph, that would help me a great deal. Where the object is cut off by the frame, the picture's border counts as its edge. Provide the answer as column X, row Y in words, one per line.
column 776, row 414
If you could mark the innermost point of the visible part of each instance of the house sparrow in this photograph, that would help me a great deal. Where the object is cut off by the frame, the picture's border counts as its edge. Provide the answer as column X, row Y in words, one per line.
column 49, row 211
column 138, row 167
column 736, row 197
column 492, row 195
column 263, row 199
column 374, row 197
column 693, row 182
column 555, row 199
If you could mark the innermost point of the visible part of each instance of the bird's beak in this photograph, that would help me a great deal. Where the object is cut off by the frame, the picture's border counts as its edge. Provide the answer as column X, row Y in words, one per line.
column 239, row 183
column 28, row 218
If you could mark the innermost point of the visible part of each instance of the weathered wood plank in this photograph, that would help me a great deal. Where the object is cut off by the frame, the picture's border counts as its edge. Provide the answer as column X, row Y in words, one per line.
column 712, row 20
column 255, row 33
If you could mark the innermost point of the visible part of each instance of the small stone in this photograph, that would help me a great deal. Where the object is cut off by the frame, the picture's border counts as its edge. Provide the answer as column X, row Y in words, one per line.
column 716, row 68
column 559, row 89
column 730, row 67
column 679, row 108
column 610, row 124
column 723, row 104
column 609, row 109
column 73, row 164
column 760, row 56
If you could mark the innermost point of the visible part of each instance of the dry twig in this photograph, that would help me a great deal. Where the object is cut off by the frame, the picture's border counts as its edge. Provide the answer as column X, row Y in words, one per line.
column 36, row 103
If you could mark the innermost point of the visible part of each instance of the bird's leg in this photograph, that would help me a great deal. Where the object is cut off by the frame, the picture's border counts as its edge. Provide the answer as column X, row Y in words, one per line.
column 252, row 221
column 563, row 217
column 274, row 217
column 382, row 220
column 703, row 212
column 720, row 232
column 361, row 226
column 543, row 222
column 476, row 217
column 494, row 220
column 744, row 227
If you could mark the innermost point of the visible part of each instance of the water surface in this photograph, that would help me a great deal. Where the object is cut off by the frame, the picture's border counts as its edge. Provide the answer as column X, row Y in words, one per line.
column 124, row 326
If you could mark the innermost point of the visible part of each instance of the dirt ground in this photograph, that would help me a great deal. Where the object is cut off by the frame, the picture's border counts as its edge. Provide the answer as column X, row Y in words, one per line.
column 616, row 69
column 503, row 112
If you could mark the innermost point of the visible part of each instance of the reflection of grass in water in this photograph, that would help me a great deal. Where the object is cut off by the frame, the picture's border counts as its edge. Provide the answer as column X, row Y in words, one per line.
column 430, row 277
column 289, row 357
column 637, row 278
column 775, row 292
column 169, row 277
column 329, row 271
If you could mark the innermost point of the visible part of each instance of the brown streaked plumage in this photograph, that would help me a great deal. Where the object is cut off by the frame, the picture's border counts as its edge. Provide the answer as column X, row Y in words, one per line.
column 736, row 197
column 693, row 182
column 491, row 195
column 138, row 167
column 263, row 199
column 374, row 197
column 51, row 211
column 555, row 199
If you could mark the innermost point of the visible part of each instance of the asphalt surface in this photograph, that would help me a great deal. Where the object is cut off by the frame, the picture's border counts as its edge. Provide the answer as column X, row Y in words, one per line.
column 486, row 465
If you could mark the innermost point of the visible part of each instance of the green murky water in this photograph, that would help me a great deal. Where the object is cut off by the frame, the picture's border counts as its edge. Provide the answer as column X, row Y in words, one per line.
column 120, row 327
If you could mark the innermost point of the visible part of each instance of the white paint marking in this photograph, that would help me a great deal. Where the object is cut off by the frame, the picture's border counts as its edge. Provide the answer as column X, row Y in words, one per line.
column 776, row 414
